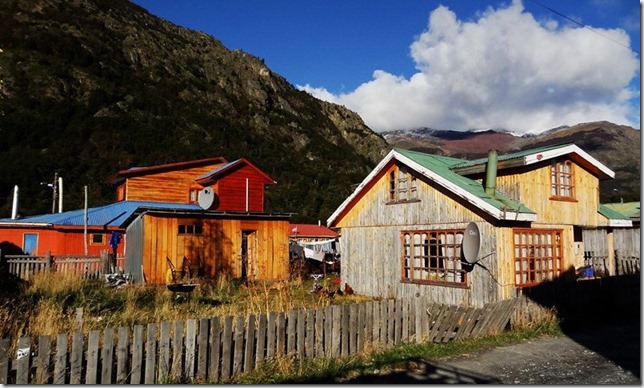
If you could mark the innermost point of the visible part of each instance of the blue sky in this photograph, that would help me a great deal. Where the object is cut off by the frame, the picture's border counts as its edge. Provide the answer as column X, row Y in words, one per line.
column 453, row 64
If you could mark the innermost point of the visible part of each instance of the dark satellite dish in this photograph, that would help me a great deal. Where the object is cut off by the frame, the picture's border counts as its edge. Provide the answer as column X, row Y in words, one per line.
column 206, row 198
column 471, row 243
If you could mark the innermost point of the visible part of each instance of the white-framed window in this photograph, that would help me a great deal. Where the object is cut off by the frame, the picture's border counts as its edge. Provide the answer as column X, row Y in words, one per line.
column 562, row 180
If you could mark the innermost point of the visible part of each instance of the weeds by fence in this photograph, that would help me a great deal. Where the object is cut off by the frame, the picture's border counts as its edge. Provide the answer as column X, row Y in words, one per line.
column 218, row 348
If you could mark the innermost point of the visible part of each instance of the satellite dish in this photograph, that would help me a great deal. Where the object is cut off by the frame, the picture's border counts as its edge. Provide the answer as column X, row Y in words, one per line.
column 471, row 243
column 206, row 198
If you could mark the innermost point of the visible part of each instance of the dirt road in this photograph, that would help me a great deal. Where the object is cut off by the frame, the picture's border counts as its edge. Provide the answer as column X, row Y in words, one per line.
column 600, row 355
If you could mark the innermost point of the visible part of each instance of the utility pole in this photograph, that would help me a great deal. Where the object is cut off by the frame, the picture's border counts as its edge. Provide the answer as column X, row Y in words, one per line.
column 54, row 187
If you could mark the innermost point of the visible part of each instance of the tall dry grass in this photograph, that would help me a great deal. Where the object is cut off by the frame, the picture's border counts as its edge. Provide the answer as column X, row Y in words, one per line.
column 52, row 303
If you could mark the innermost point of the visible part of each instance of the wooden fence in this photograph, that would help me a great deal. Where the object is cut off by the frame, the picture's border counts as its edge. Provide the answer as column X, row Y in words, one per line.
column 90, row 267
column 628, row 263
column 219, row 348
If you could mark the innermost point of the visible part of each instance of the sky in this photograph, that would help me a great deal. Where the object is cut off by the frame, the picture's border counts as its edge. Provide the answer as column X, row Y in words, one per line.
column 522, row 66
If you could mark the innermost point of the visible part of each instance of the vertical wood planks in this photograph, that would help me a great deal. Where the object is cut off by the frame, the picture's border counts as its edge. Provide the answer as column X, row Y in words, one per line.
column 150, row 354
column 107, row 356
column 291, row 332
column 22, row 361
column 60, row 360
column 270, row 334
column 226, row 348
column 164, row 352
column 4, row 360
column 281, row 334
column 202, row 350
column 260, row 353
column 191, row 348
column 176, row 372
column 42, row 365
column 76, row 358
column 301, row 333
column 214, row 343
column 92, row 357
column 238, row 349
column 249, row 346
column 137, row 355
column 122, row 355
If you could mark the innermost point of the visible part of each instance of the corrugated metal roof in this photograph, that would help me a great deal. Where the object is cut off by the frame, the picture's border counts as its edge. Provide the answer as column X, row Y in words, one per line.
column 311, row 230
column 112, row 215
column 626, row 209
column 512, row 155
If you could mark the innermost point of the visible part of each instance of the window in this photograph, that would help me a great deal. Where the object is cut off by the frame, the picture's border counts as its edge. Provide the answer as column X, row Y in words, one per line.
column 432, row 257
column 196, row 229
column 402, row 186
column 537, row 256
column 120, row 192
column 98, row 239
column 561, row 180
column 30, row 243
column 193, row 194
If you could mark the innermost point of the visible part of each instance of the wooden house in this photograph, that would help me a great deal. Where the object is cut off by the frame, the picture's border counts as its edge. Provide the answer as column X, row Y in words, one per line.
column 207, row 214
column 224, row 232
column 403, row 226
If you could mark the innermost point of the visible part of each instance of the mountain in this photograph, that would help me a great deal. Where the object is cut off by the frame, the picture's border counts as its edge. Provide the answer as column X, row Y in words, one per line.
column 616, row 146
column 91, row 87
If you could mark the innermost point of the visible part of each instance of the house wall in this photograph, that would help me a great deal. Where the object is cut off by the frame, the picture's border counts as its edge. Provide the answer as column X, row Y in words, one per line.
column 532, row 188
column 231, row 190
column 218, row 250
column 170, row 186
column 59, row 242
column 372, row 251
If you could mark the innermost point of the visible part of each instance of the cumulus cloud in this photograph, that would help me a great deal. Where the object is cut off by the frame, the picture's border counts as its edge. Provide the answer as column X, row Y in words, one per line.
column 504, row 70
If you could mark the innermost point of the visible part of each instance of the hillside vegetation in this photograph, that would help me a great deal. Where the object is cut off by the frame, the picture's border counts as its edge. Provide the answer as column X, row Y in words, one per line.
column 93, row 87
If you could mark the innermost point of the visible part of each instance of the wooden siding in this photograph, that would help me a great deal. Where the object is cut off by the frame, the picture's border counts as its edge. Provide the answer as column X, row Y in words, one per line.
column 232, row 190
column 371, row 248
column 532, row 188
column 59, row 242
column 218, row 250
column 505, row 255
column 434, row 206
column 171, row 186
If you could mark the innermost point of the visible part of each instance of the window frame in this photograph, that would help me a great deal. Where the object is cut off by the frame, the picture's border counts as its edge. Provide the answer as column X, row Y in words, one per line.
column 562, row 180
column 525, row 260
column 193, row 191
column 102, row 242
column 436, row 262
column 190, row 229
column 33, row 240
column 402, row 186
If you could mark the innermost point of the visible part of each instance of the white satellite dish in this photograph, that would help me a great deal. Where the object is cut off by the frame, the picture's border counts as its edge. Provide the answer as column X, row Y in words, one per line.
column 206, row 198
column 471, row 243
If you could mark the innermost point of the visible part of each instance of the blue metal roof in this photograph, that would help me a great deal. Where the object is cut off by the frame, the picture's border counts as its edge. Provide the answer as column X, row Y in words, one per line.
column 112, row 215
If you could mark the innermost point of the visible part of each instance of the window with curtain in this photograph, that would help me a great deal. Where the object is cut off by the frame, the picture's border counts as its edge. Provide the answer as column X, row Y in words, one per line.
column 537, row 255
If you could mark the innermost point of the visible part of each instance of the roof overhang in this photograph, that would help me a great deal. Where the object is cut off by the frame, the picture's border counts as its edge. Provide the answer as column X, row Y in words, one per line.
column 488, row 208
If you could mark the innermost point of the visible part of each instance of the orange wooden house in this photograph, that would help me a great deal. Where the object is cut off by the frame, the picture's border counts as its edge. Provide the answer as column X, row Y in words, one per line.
column 225, row 232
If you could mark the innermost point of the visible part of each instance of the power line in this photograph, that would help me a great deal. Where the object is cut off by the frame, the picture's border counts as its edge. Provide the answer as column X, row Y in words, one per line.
column 585, row 26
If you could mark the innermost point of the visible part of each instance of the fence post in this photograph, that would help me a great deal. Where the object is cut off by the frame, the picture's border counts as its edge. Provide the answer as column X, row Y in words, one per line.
column 105, row 262
column 48, row 260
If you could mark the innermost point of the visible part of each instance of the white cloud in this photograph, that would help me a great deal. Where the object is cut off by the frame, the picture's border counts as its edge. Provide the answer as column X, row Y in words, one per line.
column 504, row 70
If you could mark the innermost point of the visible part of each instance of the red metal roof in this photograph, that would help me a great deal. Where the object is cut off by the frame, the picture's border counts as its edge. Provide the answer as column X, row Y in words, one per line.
column 138, row 171
column 311, row 230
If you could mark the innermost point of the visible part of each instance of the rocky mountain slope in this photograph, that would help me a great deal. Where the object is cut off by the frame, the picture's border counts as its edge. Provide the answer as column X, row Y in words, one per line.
column 616, row 146
column 90, row 87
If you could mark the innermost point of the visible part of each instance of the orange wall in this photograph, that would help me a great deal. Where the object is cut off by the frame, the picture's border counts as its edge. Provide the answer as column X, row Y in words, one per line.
column 60, row 242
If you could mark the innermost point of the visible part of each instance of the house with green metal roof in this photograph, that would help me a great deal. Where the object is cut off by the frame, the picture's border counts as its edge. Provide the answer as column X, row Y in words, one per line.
column 406, row 228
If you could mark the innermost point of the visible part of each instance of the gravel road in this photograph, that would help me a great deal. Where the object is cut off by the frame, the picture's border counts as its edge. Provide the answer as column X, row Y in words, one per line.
column 598, row 355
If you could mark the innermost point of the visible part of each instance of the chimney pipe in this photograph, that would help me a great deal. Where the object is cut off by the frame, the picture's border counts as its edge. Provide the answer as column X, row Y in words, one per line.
column 490, row 173
column 14, row 208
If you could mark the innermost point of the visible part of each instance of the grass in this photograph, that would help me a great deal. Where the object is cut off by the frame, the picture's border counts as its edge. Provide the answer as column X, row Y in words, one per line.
column 48, row 303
